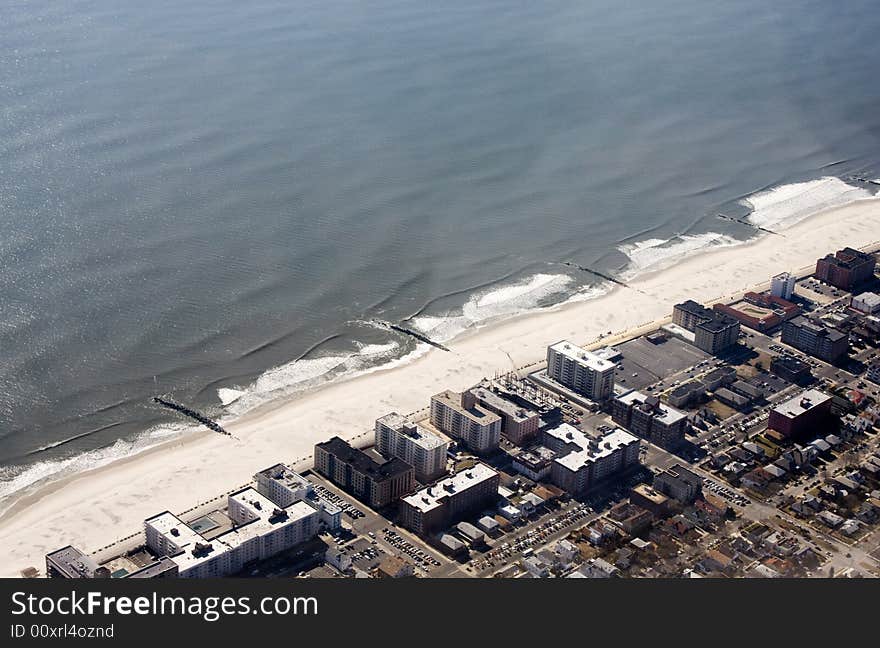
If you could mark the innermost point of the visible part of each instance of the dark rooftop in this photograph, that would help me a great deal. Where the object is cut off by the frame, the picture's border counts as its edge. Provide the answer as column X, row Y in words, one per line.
column 362, row 462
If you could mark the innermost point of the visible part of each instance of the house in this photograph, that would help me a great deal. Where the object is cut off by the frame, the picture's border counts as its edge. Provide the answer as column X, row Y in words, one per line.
column 599, row 568
column 395, row 567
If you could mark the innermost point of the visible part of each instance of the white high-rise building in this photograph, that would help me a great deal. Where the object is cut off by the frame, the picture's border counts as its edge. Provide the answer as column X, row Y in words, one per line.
column 782, row 285
column 583, row 371
column 421, row 449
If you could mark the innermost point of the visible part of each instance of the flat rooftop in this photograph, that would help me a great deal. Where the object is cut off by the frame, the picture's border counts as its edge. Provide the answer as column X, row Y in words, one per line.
column 585, row 358
column 282, row 474
column 662, row 412
column 72, row 562
column 418, row 434
column 174, row 528
column 431, row 497
column 803, row 402
column 510, row 409
column 816, row 329
column 591, row 450
column 477, row 413
column 364, row 463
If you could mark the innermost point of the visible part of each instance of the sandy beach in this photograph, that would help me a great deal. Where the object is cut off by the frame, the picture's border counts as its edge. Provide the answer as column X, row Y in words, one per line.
column 93, row 509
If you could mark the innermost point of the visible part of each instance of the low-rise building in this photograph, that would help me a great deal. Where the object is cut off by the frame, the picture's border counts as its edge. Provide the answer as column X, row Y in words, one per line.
column 808, row 411
column 873, row 373
column 534, row 463
column 867, row 302
column 791, row 369
column 686, row 394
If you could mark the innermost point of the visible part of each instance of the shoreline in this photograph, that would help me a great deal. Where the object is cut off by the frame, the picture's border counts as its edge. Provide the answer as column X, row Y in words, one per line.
column 98, row 506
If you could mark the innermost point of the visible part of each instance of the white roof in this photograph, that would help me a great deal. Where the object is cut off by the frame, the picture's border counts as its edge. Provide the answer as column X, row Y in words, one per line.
column 664, row 413
column 868, row 298
column 801, row 403
column 256, row 504
column 582, row 357
column 432, row 496
column 591, row 450
column 419, row 436
column 266, row 524
column 174, row 529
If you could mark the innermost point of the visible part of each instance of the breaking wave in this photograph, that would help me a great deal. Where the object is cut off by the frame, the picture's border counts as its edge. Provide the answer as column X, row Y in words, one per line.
column 789, row 204
column 495, row 303
column 658, row 254
column 17, row 479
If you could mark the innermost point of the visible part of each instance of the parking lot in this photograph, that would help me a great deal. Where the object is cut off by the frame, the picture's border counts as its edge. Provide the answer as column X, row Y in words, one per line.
column 645, row 363
column 509, row 548
column 347, row 507
column 726, row 492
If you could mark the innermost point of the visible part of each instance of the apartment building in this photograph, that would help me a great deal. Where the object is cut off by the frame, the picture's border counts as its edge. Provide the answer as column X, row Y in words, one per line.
column 436, row 507
column 580, row 370
column 461, row 417
column 421, row 449
column 376, row 483
column 649, row 418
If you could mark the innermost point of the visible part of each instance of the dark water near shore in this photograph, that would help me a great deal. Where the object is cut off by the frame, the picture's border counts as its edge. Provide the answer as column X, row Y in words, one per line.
column 220, row 195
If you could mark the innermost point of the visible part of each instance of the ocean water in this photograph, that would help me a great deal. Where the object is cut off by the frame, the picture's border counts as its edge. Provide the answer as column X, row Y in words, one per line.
column 214, row 200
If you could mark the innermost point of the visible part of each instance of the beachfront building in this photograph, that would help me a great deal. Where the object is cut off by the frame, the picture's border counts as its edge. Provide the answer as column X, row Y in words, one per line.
column 846, row 268
column 518, row 424
column 421, row 449
column 815, row 339
column 583, row 371
column 760, row 311
column 376, row 483
column 802, row 414
column 436, row 507
column 462, row 418
column 260, row 530
column 581, row 462
column 714, row 332
column 70, row 562
column 649, row 418
column 285, row 487
column 782, row 285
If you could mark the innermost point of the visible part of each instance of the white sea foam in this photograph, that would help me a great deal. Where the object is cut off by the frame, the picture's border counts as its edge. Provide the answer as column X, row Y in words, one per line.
column 786, row 205
column 228, row 396
column 17, row 479
column 493, row 304
column 278, row 382
column 657, row 254
column 308, row 373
